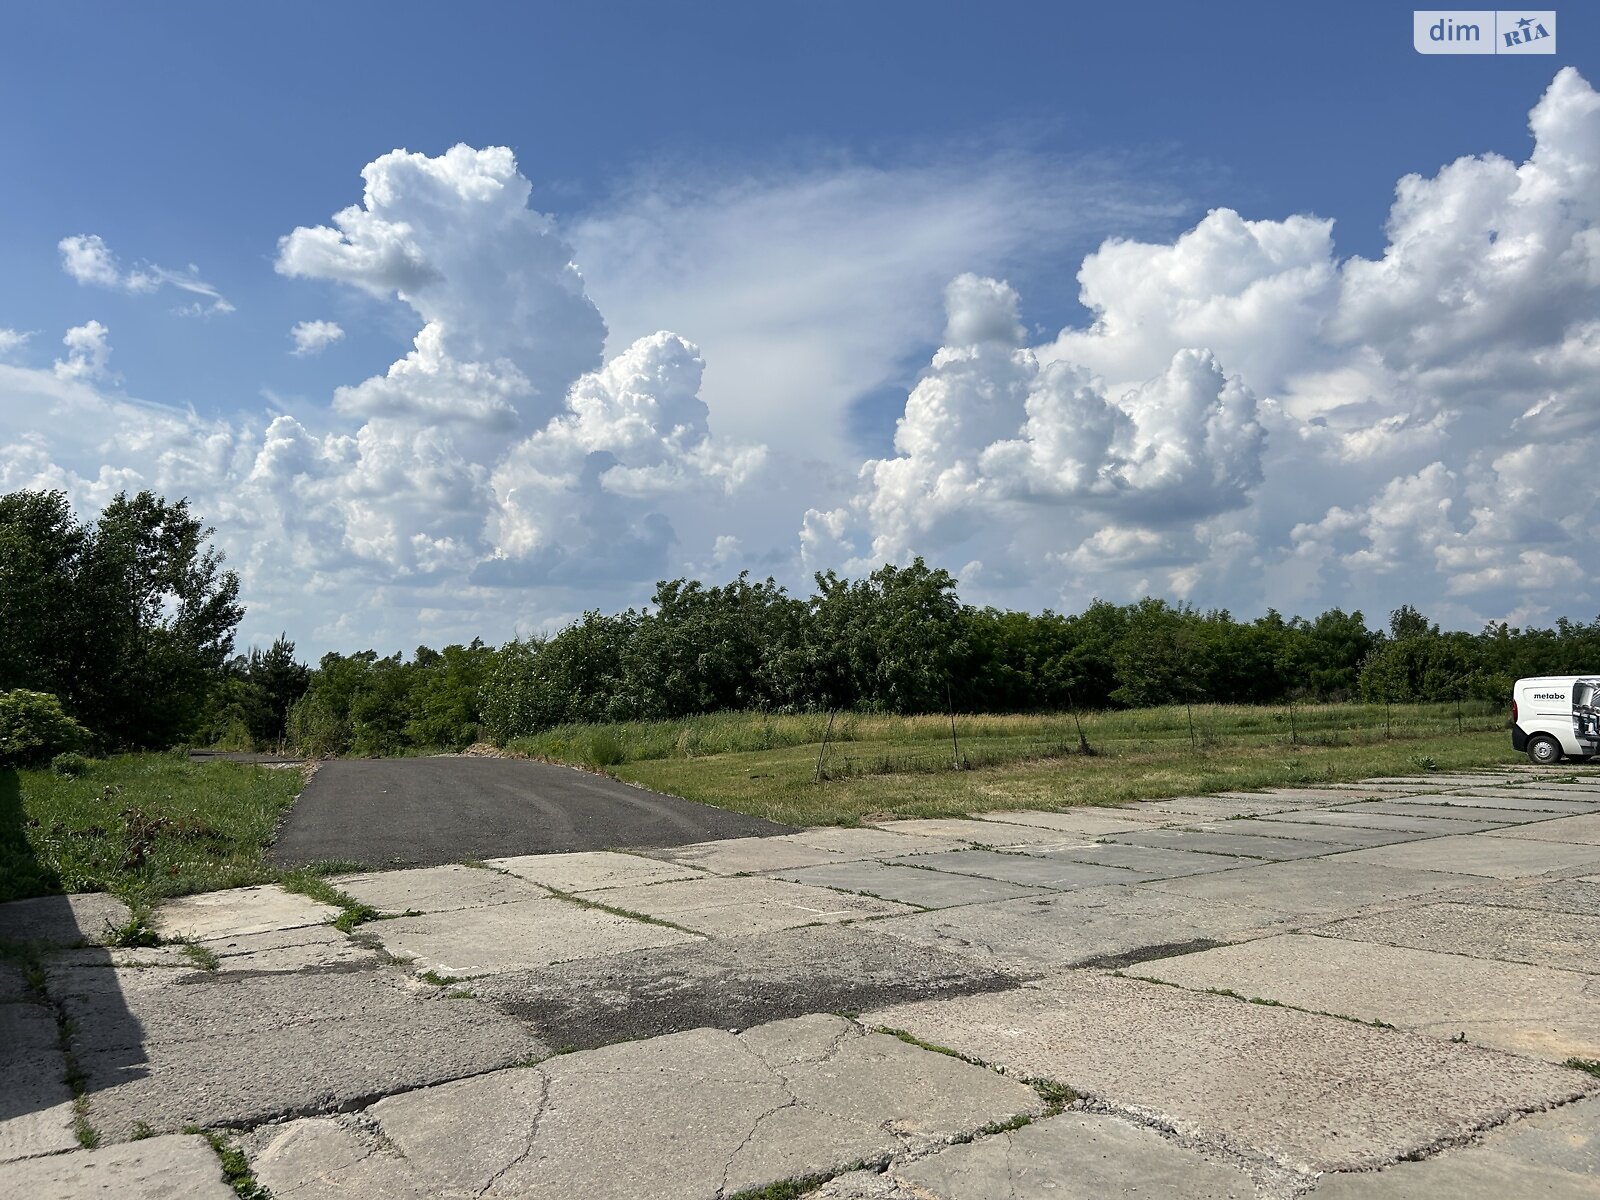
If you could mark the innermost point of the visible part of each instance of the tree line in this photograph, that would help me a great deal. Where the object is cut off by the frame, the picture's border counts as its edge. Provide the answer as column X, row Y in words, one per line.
column 129, row 621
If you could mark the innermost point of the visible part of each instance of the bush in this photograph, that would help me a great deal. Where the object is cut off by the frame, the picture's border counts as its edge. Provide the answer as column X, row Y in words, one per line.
column 315, row 729
column 34, row 728
column 69, row 763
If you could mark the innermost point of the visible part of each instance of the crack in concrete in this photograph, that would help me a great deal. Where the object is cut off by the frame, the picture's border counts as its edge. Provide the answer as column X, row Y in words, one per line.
column 533, row 1134
column 727, row 1167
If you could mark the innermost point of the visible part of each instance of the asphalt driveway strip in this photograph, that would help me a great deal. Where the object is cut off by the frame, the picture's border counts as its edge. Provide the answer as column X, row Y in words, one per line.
column 430, row 811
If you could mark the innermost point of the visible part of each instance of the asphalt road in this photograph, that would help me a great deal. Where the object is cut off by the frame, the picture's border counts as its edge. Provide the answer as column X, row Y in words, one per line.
column 427, row 811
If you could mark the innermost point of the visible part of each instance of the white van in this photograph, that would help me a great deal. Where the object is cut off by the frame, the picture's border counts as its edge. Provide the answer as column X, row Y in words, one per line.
column 1556, row 715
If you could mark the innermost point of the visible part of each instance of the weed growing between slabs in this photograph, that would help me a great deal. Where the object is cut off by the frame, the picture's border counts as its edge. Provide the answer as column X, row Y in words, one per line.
column 876, row 766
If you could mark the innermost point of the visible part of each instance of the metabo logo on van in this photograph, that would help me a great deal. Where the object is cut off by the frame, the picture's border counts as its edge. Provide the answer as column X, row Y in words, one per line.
column 1549, row 695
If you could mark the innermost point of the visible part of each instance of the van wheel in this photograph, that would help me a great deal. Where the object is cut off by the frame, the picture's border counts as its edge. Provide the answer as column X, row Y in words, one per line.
column 1544, row 751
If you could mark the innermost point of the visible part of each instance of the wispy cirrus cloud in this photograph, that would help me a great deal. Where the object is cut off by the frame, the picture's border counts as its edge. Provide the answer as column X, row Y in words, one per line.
column 87, row 259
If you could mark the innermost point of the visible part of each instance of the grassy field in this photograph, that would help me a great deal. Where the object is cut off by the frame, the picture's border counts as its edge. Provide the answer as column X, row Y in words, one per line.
column 876, row 766
column 140, row 825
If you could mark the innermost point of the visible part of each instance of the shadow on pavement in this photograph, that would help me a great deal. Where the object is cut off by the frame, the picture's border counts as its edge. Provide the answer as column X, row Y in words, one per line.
column 57, row 995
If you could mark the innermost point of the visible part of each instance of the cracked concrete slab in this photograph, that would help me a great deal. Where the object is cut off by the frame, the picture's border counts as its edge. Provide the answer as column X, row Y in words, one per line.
column 1311, row 1092
column 1516, row 801
column 1150, row 862
column 1566, row 941
column 1557, row 895
column 1059, row 870
column 1218, row 808
column 1074, row 1156
column 1085, row 822
column 738, row 856
column 154, row 1169
column 925, row 888
column 62, row 920
column 1553, row 1155
column 1479, row 854
column 866, row 842
column 730, row 907
column 1530, row 1010
column 238, row 911
column 730, row 983
column 1239, row 844
column 592, row 870
column 308, row 948
column 1315, row 796
column 205, row 1049
column 1584, row 830
column 1346, row 835
column 1032, row 936
column 1449, row 812
column 1312, row 887
column 516, row 936
column 1364, row 818
column 708, row 1114
column 1580, row 795
column 436, row 889
column 35, row 1101
column 983, row 833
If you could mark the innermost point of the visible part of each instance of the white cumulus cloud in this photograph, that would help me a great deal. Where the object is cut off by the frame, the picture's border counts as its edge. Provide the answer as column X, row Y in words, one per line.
column 310, row 337
column 1248, row 419
column 88, row 351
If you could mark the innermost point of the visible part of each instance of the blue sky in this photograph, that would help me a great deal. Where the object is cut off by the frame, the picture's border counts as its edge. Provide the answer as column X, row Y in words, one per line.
column 678, row 148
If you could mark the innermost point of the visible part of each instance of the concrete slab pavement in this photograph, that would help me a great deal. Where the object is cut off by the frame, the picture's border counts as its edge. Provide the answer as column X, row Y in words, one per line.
column 1534, row 1011
column 36, row 1115
column 285, row 1015
column 239, row 911
column 1552, row 1155
column 516, row 936
column 1566, row 941
column 923, row 887
column 1312, row 1092
column 1074, row 1156
column 708, row 1114
column 1110, row 926
column 1059, row 870
column 1151, row 862
column 986, row 833
column 813, row 848
column 1556, row 895
column 1086, row 822
column 1239, row 844
column 1312, row 887
column 436, row 889
column 207, row 1048
column 1584, row 830
column 730, row 983
column 1365, row 817
column 62, row 920
column 734, row 907
column 1347, row 835
column 158, row 1168
column 592, row 870
column 1478, row 854
column 1424, row 806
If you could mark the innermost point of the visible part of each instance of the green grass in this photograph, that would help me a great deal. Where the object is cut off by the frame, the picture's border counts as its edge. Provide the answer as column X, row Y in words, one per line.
column 236, row 1168
column 881, row 766
column 142, row 826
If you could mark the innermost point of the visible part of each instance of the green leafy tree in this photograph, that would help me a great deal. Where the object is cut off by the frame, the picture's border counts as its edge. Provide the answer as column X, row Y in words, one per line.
column 128, row 620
